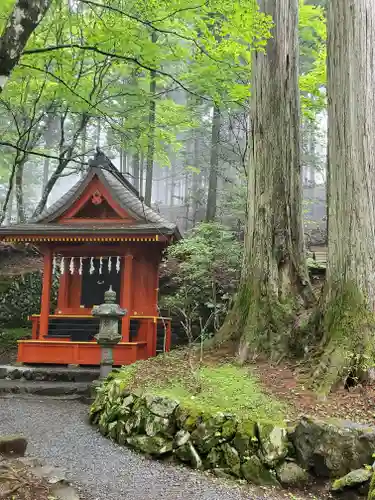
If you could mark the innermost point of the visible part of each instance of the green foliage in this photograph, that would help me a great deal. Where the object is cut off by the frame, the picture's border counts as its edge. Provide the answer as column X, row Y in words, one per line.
column 20, row 298
column 208, row 271
column 10, row 336
column 313, row 35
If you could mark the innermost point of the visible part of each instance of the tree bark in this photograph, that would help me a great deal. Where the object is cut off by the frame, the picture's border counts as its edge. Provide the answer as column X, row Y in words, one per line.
column 151, row 133
column 214, row 165
column 22, row 22
column 21, row 217
column 136, row 172
column 274, row 279
column 348, row 305
column 196, row 178
column 141, row 174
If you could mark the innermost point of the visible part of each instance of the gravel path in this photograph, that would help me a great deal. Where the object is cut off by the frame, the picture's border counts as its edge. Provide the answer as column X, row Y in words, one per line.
column 57, row 432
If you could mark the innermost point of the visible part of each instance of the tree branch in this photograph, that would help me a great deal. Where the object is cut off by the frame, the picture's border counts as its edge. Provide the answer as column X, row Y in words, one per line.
column 121, row 57
column 41, row 155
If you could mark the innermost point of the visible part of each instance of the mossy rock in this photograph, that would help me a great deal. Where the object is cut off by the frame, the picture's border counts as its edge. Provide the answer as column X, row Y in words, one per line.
column 229, row 428
column 335, row 448
column 155, row 445
column 208, row 433
column 181, row 414
column 187, row 453
column 274, row 443
column 160, row 406
column 192, row 421
column 291, row 474
column 353, row 480
column 214, row 458
column 154, row 425
column 371, row 493
column 181, row 438
column 245, row 440
column 256, row 473
column 231, row 459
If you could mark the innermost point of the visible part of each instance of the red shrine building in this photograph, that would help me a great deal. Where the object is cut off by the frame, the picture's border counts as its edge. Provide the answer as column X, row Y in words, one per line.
column 98, row 235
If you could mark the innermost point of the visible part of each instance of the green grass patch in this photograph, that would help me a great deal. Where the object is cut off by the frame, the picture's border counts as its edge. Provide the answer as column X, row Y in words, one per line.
column 205, row 387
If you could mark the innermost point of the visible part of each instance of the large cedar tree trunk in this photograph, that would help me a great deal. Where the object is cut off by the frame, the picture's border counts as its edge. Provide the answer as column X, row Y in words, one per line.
column 275, row 281
column 24, row 19
column 347, row 326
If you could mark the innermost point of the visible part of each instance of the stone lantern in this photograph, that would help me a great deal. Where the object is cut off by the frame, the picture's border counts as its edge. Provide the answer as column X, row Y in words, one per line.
column 109, row 315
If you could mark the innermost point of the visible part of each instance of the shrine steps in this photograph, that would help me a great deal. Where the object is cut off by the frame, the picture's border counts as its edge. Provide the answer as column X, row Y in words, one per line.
column 48, row 373
column 68, row 390
column 51, row 381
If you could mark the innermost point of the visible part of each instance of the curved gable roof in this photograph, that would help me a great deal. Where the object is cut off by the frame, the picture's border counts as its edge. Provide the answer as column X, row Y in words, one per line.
column 122, row 191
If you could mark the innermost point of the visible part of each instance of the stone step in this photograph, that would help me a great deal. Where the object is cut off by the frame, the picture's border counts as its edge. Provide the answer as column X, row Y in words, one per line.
column 42, row 388
column 49, row 373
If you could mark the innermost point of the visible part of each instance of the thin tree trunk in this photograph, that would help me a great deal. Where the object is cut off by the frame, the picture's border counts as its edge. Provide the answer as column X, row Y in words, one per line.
column 348, row 305
column 63, row 162
column 22, row 22
column 83, row 149
column 21, row 217
column 151, row 133
column 98, row 132
column 187, row 200
column 9, row 208
column 45, row 173
column 214, row 165
column 122, row 161
column 6, row 209
column 141, row 174
column 136, row 172
column 274, row 278
column 196, row 177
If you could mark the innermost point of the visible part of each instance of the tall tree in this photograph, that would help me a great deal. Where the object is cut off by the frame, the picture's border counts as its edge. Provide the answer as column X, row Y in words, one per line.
column 151, row 132
column 347, row 325
column 24, row 19
column 274, row 278
column 214, row 165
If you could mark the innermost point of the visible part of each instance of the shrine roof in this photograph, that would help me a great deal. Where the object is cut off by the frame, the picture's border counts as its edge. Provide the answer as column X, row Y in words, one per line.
column 143, row 219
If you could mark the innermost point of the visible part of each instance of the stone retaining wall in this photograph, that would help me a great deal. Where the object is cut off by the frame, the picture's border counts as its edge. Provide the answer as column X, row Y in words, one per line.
column 260, row 453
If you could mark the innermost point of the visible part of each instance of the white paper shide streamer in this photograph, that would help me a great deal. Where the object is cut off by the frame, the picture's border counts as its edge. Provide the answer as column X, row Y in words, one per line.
column 62, row 266
column 92, row 267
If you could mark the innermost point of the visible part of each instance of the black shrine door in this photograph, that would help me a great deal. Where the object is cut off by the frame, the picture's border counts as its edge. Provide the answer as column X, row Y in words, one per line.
column 94, row 285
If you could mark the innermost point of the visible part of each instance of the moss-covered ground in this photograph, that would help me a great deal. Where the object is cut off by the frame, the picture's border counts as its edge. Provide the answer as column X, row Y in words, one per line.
column 208, row 387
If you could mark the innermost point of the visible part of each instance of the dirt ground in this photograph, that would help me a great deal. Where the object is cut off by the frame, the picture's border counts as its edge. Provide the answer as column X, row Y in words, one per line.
column 16, row 482
column 286, row 384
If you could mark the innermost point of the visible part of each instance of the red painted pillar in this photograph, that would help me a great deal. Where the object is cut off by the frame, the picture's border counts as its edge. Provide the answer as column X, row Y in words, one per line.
column 46, row 293
column 125, row 294
column 62, row 298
